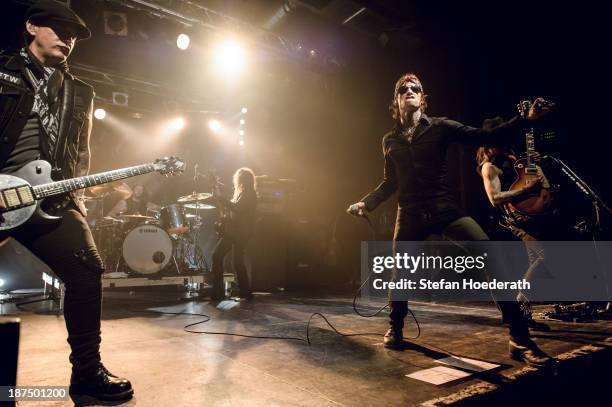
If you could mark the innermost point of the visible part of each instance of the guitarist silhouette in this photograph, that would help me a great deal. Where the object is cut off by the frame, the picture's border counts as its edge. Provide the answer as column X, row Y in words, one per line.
column 235, row 231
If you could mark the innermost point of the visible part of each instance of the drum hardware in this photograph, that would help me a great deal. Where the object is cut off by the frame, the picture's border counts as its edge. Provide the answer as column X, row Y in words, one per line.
column 153, row 213
column 137, row 218
column 107, row 231
column 192, row 253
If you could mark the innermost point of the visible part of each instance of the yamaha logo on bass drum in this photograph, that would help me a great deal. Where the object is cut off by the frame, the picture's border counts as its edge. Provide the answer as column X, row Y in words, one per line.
column 148, row 230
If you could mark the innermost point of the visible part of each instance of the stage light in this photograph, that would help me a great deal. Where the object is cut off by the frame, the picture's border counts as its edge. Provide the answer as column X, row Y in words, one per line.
column 100, row 113
column 214, row 125
column 120, row 98
column 182, row 41
column 242, row 121
column 229, row 58
column 241, row 143
column 1, row 282
column 241, row 132
column 244, row 110
column 177, row 124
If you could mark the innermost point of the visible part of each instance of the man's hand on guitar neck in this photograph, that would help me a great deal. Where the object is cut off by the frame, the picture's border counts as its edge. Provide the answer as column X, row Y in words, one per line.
column 539, row 108
column 536, row 157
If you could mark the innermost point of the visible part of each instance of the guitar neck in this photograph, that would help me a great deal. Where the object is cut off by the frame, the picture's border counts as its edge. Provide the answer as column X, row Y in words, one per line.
column 523, row 108
column 62, row 187
column 530, row 148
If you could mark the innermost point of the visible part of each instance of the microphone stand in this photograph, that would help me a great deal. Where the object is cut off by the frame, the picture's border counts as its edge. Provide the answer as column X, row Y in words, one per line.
column 598, row 205
column 199, row 260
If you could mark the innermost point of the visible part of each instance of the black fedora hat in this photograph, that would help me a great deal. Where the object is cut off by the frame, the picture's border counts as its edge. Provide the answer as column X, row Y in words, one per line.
column 46, row 11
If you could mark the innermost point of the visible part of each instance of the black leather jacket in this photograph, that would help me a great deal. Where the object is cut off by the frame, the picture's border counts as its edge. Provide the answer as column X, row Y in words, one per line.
column 71, row 156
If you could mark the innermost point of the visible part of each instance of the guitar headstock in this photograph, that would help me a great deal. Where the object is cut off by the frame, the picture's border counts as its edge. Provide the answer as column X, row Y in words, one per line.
column 525, row 105
column 169, row 166
column 523, row 108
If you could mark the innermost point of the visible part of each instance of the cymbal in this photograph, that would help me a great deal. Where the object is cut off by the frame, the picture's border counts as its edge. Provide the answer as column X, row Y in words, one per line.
column 113, row 187
column 98, row 189
column 194, row 197
column 198, row 206
column 88, row 198
column 136, row 217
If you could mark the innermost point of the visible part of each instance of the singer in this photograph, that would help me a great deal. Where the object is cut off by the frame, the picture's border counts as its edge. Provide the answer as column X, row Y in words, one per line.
column 416, row 166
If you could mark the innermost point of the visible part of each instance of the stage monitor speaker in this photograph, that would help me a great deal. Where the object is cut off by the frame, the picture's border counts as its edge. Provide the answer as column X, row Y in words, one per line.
column 9, row 332
column 267, row 252
column 307, row 253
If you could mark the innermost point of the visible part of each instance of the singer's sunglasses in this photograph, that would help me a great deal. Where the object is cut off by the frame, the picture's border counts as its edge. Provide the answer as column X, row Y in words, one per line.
column 414, row 88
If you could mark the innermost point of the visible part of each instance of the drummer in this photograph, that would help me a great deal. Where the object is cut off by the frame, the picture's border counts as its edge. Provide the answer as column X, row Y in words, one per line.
column 137, row 204
column 101, row 198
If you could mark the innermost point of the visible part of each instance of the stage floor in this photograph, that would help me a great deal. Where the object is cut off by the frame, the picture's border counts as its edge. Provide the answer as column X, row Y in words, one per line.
column 171, row 367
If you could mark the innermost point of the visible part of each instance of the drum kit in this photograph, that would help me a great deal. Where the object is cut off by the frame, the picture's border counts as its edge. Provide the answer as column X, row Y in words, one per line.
column 159, row 243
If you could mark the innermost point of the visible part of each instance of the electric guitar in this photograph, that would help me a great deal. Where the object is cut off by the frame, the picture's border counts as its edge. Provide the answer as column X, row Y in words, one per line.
column 23, row 193
column 527, row 169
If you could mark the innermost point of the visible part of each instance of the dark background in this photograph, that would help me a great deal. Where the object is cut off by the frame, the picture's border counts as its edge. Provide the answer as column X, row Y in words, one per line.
column 321, row 123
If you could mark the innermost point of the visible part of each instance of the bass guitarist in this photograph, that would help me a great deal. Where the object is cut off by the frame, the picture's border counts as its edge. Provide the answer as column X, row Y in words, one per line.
column 46, row 114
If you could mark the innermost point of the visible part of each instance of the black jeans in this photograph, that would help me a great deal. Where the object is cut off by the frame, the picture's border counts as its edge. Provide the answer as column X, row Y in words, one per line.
column 418, row 227
column 69, row 250
column 224, row 245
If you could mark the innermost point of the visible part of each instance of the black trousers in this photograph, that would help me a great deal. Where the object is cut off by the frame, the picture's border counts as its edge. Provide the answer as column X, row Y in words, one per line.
column 69, row 250
column 418, row 227
column 224, row 245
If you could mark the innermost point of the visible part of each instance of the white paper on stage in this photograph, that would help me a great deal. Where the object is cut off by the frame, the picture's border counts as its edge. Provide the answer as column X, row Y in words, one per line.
column 439, row 375
column 467, row 364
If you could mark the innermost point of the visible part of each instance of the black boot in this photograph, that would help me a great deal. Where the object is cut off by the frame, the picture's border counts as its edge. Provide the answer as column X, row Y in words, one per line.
column 527, row 314
column 538, row 326
column 99, row 386
column 394, row 338
column 525, row 350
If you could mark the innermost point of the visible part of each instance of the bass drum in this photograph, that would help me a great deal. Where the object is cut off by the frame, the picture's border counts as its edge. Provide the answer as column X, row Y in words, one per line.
column 147, row 249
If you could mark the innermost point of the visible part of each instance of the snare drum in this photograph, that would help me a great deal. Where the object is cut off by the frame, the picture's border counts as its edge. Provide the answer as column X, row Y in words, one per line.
column 147, row 249
column 173, row 219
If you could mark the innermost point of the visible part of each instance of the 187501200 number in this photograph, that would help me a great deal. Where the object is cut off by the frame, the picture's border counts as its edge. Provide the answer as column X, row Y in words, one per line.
column 33, row 393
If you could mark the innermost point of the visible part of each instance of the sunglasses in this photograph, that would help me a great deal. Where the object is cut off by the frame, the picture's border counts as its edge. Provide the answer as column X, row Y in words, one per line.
column 414, row 88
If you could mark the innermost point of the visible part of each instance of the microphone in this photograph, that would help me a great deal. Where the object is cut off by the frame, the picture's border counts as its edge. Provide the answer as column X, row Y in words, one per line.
column 355, row 210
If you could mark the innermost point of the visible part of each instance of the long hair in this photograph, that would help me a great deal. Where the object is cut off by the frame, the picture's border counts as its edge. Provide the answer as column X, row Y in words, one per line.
column 484, row 155
column 393, row 107
column 492, row 154
column 498, row 156
column 244, row 180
